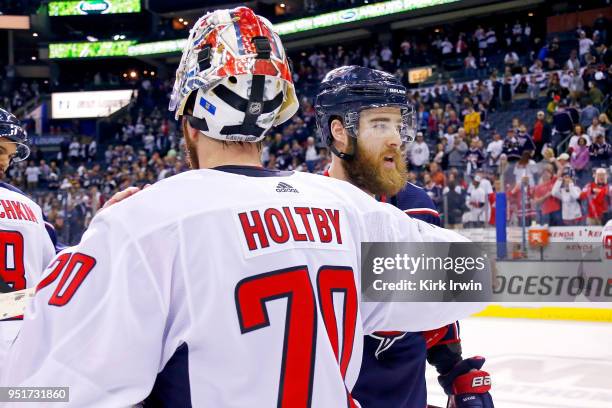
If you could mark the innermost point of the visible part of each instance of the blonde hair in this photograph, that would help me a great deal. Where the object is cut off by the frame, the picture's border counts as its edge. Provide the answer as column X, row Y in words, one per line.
column 603, row 119
column 548, row 153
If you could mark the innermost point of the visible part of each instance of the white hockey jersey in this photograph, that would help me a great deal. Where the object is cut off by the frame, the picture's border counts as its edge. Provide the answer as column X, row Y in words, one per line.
column 234, row 287
column 25, row 251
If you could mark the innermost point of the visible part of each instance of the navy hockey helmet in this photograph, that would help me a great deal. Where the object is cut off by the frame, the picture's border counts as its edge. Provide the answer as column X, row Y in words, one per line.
column 11, row 129
column 346, row 91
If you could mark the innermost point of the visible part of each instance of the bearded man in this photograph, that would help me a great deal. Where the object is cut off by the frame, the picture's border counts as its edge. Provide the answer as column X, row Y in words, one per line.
column 363, row 116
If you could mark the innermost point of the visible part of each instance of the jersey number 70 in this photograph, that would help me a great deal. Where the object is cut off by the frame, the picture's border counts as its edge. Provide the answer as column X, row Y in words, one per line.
column 252, row 294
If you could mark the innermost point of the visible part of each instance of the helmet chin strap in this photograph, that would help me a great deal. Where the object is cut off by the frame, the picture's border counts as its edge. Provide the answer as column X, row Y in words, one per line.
column 344, row 155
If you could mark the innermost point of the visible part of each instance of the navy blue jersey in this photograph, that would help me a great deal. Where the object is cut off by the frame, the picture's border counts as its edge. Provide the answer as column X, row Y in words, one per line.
column 415, row 202
column 393, row 365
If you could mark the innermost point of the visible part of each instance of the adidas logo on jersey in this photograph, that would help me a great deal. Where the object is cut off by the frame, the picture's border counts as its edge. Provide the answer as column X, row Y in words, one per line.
column 285, row 188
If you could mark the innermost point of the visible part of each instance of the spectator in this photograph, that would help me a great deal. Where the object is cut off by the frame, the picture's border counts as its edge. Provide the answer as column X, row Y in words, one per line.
column 482, row 64
column 491, row 39
column 437, row 175
column 455, row 197
column 447, row 48
column 456, row 154
column 536, row 68
column 576, row 86
column 562, row 164
column 511, row 59
column 555, row 90
column 595, row 94
column 548, row 208
column 312, row 156
column 595, row 129
column 600, row 152
column 548, row 160
column 533, row 92
column 576, row 136
column 511, row 148
column 541, row 134
column 568, row 193
column 45, row 171
column 386, row 56
column 474, row 157
column 580, row 161
column 496, row 85
column 74, row 150
column 562, row 124
column 605, row 123
column 440, row 156
column 584, row 46
column 520, row 208
column 597, row 196
column 419, row 153
column 506, row 93
column 433, row 190
column 601, row 25
column 32, row 173
column 471, row 122
column 450, row 135
column 525, row 169
column 525, row 141
column 148, row 141
column 92, row 150
column 494, row 150
column 461, row 45
column 476, row 201
column 573, row 63
column 588, row 113
column 605, row 54
column 469, row 65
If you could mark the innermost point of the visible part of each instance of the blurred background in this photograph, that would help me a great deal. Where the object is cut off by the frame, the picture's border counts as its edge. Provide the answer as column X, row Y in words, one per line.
column 513, row 114
column 91, row 80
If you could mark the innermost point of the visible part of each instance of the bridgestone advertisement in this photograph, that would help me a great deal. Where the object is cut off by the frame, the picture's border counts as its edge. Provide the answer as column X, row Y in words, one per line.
column 473, row 272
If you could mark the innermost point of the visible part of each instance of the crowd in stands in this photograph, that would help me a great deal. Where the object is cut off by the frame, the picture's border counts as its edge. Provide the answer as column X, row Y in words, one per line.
column 14, row 93
column 537, row 127
column 19, row 7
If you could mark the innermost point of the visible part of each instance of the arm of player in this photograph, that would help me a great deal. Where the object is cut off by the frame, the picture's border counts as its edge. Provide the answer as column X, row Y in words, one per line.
column 414, row 316
column 95, row 324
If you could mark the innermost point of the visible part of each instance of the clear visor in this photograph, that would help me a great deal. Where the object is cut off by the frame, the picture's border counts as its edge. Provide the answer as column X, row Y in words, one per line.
column 21, row 153
column 383, row 125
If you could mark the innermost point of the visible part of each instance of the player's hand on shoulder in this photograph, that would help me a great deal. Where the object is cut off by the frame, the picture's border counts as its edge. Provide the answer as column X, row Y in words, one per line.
column 467, row 386
column 122, row 195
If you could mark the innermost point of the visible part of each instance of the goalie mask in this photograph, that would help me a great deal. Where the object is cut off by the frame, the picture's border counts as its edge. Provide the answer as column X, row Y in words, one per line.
column 234, row 80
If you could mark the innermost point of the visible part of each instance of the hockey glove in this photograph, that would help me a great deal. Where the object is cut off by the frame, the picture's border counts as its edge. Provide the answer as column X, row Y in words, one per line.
column 466, row 385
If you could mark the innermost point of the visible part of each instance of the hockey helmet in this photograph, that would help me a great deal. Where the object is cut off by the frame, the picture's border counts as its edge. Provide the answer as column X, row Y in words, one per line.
column 11, row 129
column 346, row 91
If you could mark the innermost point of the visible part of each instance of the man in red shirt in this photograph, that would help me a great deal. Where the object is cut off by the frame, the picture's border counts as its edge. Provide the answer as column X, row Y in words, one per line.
column 540, row 134
column 548, row 207
column 597, row 195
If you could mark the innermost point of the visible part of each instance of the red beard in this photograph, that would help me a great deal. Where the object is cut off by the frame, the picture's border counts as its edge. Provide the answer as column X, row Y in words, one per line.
column 367, row 171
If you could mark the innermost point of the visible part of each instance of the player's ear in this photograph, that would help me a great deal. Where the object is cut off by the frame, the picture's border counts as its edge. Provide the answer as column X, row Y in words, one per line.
column 189, row 131
column 339, row 134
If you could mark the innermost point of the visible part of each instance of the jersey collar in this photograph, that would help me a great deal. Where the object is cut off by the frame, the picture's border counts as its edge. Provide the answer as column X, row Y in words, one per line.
column 253, row 171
